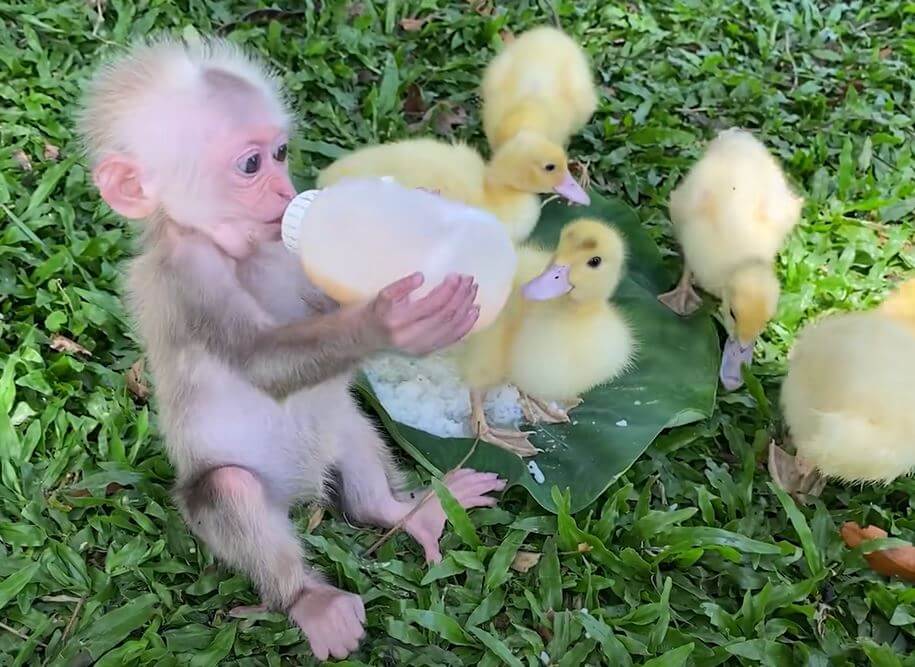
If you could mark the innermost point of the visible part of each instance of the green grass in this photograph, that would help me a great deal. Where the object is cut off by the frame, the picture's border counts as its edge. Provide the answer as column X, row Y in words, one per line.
column 691, row 558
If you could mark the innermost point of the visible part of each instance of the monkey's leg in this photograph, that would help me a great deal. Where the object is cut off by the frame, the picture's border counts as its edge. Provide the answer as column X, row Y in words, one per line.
column 370, row 480
column 230, row 511
column 682, row 299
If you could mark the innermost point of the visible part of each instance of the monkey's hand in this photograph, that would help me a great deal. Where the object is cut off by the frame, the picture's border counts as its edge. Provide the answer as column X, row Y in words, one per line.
column 439, row 319
column 331, row 619
column 469, row 488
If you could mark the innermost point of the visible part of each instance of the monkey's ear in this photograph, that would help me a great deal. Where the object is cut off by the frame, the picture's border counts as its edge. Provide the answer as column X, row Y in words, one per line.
column 118, row 180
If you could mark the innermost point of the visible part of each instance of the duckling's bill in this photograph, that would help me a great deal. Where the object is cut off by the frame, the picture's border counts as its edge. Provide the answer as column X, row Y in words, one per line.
column 571, row 190
column 551, row 284
column 734, row 356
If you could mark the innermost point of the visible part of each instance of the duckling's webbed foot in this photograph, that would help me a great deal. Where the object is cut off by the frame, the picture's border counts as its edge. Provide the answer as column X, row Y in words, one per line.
column 540, row 412
column 517, row 442
column 682, row 299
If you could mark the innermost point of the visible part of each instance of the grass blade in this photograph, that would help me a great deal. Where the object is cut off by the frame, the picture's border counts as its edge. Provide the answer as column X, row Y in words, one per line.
column 497, row 646
column 456, row 514
column 501, row 561
column 14, row 583
column 811, row 553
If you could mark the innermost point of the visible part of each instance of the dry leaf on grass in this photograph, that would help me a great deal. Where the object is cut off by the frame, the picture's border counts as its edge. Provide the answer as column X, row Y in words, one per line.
column 414, row 106
column 449, row 118
column 63, row 344
column 51, row 152
column 315, row 518
column 414, row 24
column 135, row 382
column 794, row 475
column 483, row 7
column 366, row 76
column 524, row 561
column 22, row 159
column 889, row 562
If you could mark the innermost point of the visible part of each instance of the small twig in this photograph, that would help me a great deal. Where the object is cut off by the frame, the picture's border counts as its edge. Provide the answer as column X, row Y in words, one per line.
column 554, row 14
column 70, row 625
column 21, row 635
column 409, row 515
column 60, row 598
column 73, row 619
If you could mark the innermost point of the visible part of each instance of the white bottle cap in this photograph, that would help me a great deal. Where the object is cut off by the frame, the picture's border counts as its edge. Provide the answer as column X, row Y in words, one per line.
column 293, row 217
column 295, row 214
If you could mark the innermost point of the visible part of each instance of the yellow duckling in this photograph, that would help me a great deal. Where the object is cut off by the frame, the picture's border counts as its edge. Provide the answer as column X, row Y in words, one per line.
column 540, row 83
column 508, row 186
column 558, row 336
column 731, row 215
column 848, row 395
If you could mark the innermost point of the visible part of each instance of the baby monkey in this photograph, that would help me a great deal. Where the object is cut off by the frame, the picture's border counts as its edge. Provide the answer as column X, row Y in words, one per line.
column 252, row 366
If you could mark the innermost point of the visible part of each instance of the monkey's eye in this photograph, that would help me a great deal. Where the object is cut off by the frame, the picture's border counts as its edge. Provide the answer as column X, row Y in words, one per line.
column 550, row 167
column 594, row 262
column 250, row 164
column 280, row 155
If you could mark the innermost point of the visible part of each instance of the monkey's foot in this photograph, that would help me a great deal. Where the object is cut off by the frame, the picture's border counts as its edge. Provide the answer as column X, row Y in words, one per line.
column 537, row 411
column 245, row 610
column 331, row 619
column 683, row 299
column 469, row 488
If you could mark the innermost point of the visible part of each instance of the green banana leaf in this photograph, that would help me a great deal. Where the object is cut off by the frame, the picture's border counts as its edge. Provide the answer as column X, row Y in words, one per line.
column 673, row 382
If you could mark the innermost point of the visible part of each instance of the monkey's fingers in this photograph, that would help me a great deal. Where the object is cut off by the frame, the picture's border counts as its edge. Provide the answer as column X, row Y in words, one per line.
column 478, row 488
column 460, row 473
column 402, row 288
column 348, row 630
column 452, row 289
column 359, row 608
column 430, row 335
column 469, row 476
column 432, row 552
column 449, row 333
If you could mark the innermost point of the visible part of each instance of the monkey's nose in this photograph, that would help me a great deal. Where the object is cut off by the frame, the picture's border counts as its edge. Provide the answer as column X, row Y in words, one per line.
column 285, row 189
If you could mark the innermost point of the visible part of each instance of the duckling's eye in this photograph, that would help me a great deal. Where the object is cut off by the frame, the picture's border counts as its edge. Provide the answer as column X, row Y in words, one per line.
column 550, row 167
column 594, row 262
column 249, row 165
column 280, row 155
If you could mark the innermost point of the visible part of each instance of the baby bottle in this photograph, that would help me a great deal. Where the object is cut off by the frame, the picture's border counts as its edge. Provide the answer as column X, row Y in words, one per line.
column 358, row 236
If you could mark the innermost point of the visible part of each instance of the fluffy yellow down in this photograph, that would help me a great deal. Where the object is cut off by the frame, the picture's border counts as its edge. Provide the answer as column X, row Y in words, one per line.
column 731, row 215
column 556, row 350
column 848, row 397
column 542, row 82
column 508, row 187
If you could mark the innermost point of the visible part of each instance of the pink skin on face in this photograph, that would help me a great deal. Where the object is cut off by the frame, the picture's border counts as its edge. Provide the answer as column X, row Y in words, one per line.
column 551, row 284
column 257, row 180
column 236, row 186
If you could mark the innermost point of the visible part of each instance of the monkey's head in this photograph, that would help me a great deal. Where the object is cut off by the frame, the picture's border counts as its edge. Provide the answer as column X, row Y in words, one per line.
column 196, row 133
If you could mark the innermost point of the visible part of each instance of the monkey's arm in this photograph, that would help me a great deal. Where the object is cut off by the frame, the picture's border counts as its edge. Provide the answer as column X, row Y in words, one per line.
column 281, row 360
column 278, row 358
